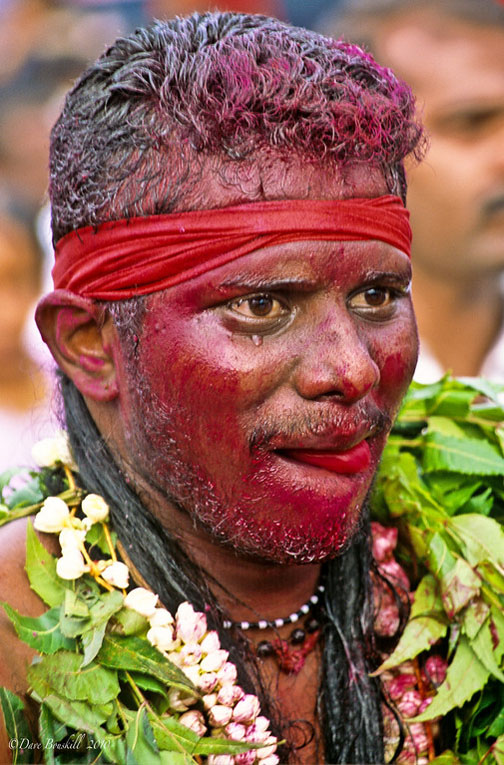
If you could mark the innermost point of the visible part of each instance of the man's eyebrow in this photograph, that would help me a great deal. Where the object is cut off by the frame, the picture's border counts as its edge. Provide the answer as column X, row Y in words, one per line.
column 252, row 282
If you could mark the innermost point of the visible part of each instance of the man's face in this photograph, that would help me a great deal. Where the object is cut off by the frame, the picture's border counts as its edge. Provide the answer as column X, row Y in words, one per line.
column 456, row 196
column 245, row 372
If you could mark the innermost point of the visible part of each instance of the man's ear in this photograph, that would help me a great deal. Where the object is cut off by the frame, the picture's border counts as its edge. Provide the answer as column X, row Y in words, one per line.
column 83, row 341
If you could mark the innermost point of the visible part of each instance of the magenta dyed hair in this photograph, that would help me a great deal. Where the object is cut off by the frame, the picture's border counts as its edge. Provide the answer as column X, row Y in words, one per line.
column 214, row 93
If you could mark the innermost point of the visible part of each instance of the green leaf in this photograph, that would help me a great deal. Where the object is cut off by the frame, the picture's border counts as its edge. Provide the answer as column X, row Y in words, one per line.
column 147, row 683
column 446, row 758
column 129, row 622
column 108, row 604
column 466, row 675
column 132, row 653
column 16, row 726
column 425, row 627
column 50, row 731
column 41, row 569
column 26, row 496
column 498, row 750
column 75, row 714
column 482, row 538
column 141, row 741
column 75, row 606
column 440, row 558
column 488, row 644
column 458, row 587
column 62, row 673
column 468, row 456
column 96, row 537
column 42, row 633
column 92, row 641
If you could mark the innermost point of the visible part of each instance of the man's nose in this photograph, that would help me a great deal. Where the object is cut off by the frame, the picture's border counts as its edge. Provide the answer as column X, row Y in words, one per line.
column 336, row 362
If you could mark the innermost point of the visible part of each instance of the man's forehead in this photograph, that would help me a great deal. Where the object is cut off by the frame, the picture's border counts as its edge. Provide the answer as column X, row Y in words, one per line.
column 270, row 177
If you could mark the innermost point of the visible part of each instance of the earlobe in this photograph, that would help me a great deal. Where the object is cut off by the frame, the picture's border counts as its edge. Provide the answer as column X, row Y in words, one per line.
column 82, row 339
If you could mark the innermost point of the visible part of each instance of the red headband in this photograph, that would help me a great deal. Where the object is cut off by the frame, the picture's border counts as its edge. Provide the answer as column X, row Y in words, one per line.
column 124, row 258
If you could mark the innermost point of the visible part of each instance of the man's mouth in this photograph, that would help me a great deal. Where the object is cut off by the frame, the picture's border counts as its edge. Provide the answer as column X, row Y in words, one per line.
column 353, row 460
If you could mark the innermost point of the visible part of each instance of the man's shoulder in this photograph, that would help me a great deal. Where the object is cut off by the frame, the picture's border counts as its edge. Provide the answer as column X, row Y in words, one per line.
column 16, row 591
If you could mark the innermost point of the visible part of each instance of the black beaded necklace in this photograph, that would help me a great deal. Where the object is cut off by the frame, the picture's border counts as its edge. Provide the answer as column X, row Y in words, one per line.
column 264, row 624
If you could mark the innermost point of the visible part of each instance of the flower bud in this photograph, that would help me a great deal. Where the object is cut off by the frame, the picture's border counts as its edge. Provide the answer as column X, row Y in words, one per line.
column 116, row 574
column 436, row 667
column 419, row 736
column 195, row 721
column 214, row 661
column 210, row 642
column 220, row 759
column 161, row 638
column 209, row 700
column 141, row 600
column 400, row 684
column 161, row 618
column 395, row 572
column 207, row 682
column 192, row 673
column 247, row 709
column 191, row 624
column 273, row 759
column 95, row 508
column 227, row 674
column 71, row 538
column 230, row 694
column 174, row 655
column 235, row 731
column 52, row 515
column 219, row 715
column 267, row 750
column 246, row 758
column 71, row 565
column 52, row 451
column 179, row 701
column 261, row 723
column 190, row 654
column 384, row 541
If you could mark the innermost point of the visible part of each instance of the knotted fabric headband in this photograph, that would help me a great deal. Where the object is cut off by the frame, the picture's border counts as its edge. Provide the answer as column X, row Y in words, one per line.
column 124, row 258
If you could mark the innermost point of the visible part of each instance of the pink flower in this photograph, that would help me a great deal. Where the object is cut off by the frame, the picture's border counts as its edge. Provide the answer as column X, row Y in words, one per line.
column 190, row 654
column 387, row 620
column 191, row 625
column 408, row 705
column 266, row 751
column 425, row 703
column 195, row 721
column 435, row 668
column 220, row 759
column 247, row 709
column 273, row 759
column 209, row 700
column 246, row 758
column 419, row 736
column 219, row 715
column 400, row 684
column 395, row 573
column 384, row 541
column 207, row 682
column 210, row 642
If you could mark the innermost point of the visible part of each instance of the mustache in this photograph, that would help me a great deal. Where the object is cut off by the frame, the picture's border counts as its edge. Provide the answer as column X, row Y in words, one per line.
column 494, row 205
column 326, row 424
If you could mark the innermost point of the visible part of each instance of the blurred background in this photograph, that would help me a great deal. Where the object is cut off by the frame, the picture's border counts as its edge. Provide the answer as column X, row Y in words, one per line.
column 450, row 51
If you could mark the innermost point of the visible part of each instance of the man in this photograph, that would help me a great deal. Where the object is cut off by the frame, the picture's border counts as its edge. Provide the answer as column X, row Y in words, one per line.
column 452, row 55
column 233, row 323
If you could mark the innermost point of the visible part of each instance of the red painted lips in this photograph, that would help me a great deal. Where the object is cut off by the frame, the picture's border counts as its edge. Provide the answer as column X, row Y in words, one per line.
column 351, row 461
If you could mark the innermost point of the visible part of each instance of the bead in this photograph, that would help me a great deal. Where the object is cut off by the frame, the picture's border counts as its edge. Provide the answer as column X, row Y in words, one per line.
column 297, row 636
column 279, row 622
column 305, row 609
column 245, row 625
column 263, row 624
column 312, row 625
column 293, row 618
column 264, row 649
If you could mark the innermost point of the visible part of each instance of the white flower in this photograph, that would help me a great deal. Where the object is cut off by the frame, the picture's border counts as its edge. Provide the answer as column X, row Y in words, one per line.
column 71, row 538
column 51, row 451
column 235, row 731
column 209, row 700
column 52, row 515
column 230, row 694
column 191, row 624
column 117, row 574
column 210, row 642
column 161, row 638
column 246, row 709
column 161, row 618
column 195, row 721
column 71, row 565
column 141, row 600
column 219, row 715
column 192, row 673
column 95, row 508
column 273, row 759
column 214, row 661
column 245, row 758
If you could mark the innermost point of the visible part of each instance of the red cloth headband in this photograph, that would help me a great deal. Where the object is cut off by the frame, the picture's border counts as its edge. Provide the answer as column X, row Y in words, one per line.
column 124, row 258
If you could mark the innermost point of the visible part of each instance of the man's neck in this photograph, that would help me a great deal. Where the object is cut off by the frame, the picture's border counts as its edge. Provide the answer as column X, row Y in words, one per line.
column 458, row 319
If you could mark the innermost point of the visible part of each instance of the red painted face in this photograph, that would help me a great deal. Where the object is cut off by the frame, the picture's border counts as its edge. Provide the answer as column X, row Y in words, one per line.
column 265, row 389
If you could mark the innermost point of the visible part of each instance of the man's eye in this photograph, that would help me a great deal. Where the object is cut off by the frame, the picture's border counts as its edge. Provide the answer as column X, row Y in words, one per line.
column 375, row 302
column 258, row 306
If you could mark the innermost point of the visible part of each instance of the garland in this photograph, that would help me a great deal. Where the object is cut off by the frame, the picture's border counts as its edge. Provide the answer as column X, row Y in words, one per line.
column 120, row 679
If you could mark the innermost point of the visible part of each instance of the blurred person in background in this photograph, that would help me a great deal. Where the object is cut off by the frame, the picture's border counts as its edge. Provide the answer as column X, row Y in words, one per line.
column 451, row 52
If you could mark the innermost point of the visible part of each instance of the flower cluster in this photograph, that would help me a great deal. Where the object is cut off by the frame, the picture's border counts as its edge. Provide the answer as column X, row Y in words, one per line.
column 228, row 711
column 408, row 687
